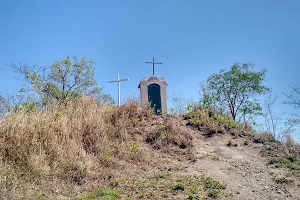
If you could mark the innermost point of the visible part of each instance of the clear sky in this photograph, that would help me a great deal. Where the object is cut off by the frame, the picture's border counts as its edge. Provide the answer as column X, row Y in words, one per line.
column 193, row 39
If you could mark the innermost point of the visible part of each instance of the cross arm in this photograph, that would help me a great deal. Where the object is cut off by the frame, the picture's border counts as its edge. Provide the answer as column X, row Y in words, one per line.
column 125, row 79
column 154, row 62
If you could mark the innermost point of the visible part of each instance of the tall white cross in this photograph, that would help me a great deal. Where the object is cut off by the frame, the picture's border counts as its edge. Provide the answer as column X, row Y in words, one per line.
column 119, row 93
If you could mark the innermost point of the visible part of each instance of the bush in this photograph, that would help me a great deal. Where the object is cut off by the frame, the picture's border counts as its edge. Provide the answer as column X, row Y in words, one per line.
column 194, row 197
column 104, row 193
column 167, row 134
column 274, row 160
column 213, row 192
column 264, row 138
column 214, row 121
column 209, row 183
column 162, row 175
column 212, row 187
column 280, row 154
column 178, row 186
column 293, row 164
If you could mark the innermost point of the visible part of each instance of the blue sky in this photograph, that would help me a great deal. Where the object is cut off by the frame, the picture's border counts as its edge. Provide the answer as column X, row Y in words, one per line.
column 193, row 39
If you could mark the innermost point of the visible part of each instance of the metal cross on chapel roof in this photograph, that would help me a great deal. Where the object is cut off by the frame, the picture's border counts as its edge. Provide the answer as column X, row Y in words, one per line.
column 153, row 63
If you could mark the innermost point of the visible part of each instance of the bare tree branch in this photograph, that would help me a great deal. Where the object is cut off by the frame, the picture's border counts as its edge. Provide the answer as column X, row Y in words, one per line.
column 293, row 97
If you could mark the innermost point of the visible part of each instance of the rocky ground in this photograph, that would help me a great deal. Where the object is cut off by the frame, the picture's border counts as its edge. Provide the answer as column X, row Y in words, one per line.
column 238, row 163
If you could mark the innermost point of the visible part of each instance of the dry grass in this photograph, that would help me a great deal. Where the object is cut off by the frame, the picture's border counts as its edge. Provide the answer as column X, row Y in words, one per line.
column 274, row 148
column 80, row 144
column 167, row 134
column 281, row 155
column 264, row 138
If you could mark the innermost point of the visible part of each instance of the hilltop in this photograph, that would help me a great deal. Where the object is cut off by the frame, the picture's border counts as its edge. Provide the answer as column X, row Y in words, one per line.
column 82, row 150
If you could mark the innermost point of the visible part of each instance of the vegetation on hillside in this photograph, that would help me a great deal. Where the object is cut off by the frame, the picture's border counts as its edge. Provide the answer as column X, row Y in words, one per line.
column 83, row 143
column 212, row 122
column 59, row 82
column 61, row 138
column 234, row 92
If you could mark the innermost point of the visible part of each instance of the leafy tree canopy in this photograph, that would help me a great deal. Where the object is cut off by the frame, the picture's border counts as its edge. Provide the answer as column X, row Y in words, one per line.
column 61, row 81
column 234, row 91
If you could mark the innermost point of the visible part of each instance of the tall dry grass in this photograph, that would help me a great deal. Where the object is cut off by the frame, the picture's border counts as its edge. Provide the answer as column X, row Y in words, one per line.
column 81, row 141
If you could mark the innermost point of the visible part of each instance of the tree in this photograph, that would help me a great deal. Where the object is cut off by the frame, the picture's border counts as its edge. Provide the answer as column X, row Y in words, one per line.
column 272, row 120
column 294, row 100
column 234, row 91
column 180, row 104
column 294, row 97
column 105, row 99
column 61, row 81
column 13, row 103
column 5, row 106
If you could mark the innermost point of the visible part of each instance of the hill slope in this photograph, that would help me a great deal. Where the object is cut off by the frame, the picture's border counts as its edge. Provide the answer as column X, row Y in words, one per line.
column 85, row 151
column 243, row 170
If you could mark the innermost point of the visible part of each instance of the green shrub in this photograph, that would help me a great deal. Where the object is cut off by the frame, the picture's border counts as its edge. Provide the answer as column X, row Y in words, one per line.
column 162, row 175
column 209, row 183
column 104, row 193
column 134, row 147
column 178, row 186
column 204, row 117
column 280, row 160
column 213, row 193
column 194, row 197
column 212, row 187
column 293, row 164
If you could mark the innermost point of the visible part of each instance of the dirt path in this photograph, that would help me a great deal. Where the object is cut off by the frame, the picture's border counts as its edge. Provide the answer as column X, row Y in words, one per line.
column 241, row 168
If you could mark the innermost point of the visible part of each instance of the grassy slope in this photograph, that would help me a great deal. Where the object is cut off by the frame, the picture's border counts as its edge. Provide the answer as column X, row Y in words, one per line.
column 86, row 151
column 76, row 151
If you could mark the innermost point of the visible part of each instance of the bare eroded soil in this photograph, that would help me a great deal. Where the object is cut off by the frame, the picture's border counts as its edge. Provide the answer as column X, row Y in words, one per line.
column 244, row 171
